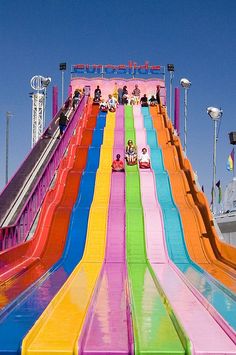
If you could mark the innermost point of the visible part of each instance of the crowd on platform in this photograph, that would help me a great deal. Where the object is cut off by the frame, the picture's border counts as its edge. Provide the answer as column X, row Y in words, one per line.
column 119, row 96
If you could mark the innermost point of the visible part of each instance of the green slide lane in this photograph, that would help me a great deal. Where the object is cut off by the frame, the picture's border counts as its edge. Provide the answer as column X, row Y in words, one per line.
column 154, row 332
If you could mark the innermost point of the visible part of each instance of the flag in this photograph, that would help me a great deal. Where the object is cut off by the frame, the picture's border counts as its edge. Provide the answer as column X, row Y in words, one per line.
column 220, row 191
column 212, row 196
column 230, row 162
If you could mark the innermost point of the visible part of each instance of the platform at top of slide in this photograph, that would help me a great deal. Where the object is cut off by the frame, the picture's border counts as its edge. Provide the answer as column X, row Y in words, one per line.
column 108, row 86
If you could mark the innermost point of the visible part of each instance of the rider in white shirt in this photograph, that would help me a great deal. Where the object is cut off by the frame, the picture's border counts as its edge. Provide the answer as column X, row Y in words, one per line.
column 144, row 159
column 112, row 103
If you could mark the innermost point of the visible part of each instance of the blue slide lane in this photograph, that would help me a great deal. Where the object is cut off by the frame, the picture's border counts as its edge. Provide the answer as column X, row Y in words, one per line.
column 222, row 299
column 20, row 316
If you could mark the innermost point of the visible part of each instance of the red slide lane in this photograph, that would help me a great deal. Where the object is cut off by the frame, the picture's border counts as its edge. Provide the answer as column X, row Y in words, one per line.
column 24, row 264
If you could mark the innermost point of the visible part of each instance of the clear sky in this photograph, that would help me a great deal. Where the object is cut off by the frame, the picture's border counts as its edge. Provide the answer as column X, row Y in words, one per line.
column 199, row 37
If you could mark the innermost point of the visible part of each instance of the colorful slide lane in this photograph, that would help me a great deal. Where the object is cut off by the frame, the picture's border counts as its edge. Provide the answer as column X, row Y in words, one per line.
column 219, row 301
column 24, row 264
column 153, row 329
column 90, row 297
column 70, row 305
column 208, row 338
column 107, row 328
column 29, row 306
column 204, row 246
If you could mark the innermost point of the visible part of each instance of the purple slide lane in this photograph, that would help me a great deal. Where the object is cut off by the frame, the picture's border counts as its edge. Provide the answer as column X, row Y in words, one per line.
column 205, row 334
column 108, row 324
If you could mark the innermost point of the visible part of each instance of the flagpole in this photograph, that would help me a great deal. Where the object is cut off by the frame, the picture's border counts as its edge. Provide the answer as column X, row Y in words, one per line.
column 233, row 166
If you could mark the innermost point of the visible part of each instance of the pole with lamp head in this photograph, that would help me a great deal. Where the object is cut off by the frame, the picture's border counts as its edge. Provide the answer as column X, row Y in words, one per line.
column 215, row 114
column 62, row 67
column 38, row 83
column 185, row 83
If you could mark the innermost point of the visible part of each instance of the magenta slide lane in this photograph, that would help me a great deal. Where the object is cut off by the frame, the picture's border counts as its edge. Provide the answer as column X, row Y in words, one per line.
column 107, row 328
column 205, row 334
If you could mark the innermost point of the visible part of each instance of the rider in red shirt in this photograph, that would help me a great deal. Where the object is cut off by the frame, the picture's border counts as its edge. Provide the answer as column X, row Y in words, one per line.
column 117, row 164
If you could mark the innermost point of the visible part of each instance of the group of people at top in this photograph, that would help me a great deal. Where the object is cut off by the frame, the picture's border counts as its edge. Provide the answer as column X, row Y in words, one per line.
column 136, row 98
column 132, row 158
column 109, row 104
column 121, row 96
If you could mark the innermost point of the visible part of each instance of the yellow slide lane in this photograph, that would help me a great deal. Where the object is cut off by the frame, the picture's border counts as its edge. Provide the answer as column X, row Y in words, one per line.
column 59, row 327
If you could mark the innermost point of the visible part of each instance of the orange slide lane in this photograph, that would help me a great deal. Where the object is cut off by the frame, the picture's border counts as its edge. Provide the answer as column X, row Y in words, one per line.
column 24, row 264
column 203, row 244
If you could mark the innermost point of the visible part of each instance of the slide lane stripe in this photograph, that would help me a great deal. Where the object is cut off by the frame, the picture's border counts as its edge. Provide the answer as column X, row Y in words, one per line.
column 153, row 330
column 107, row 328
column 209, row 337
column 69, row 306
column 214, row 297
column 33, row 302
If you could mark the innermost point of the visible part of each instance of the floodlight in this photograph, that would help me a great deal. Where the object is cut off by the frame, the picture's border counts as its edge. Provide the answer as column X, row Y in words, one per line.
column 185, row 83
column 45, row 81
column 62, row 66
column 214, row 112
column 170, row 67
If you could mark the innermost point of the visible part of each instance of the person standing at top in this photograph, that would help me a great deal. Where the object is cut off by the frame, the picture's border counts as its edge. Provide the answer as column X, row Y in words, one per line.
column 136, row 94
column 158, row 95
column 120, row 94
column 125, row 95
column 97, row 94
column 115, row 92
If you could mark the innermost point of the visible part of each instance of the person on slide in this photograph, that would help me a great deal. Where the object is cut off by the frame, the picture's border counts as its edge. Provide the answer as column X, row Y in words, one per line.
column 131, row 153
column 112, row 103
column 117, row 164
column 144, row 159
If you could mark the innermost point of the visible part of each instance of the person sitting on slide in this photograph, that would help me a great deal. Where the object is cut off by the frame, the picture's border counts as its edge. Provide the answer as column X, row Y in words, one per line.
column 153, row 101
column 144, row 159
column 117, row 164
column 131, row 153
column 111, row 103
column 144, row 101
column 103, row 106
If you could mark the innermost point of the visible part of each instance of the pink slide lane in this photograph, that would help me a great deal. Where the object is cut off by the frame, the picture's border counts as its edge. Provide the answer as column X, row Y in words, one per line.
column 205, row 334
column 107, row 327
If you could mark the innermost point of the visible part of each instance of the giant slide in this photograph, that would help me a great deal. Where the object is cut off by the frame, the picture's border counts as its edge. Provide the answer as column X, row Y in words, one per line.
column 117, row 264
column 20, row 199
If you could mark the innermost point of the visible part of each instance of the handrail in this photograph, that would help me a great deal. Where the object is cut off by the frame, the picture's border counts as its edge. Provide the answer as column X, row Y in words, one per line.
column 17, row 233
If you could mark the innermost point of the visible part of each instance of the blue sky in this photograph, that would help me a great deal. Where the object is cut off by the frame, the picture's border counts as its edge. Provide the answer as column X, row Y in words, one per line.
column 199, row 37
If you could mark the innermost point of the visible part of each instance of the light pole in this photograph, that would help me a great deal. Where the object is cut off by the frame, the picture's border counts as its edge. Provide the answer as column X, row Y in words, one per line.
column 185, row 83
column 45, row 83
column 215, row 114
column 8, row 116
column 62, row 68
column 171, row 69
column 38, row 83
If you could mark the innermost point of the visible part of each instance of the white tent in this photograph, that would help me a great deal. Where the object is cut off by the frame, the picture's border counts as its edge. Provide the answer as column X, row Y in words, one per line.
column 229, row 200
